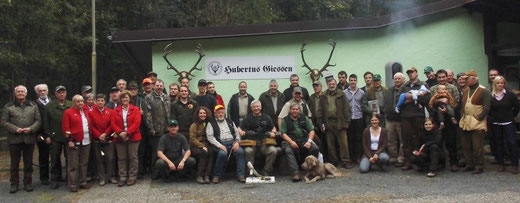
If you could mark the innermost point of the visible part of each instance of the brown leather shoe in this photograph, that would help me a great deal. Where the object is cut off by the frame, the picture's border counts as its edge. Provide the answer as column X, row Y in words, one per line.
column 501, row 168
column 296, row 177
column 514, row 170
column 86, row 186
column 200, row 180
column 478, row 171
column 73, row 189
column 406, row 167
column 131, row 182
column 121, row 183
column 241, row 179
column 215, row 180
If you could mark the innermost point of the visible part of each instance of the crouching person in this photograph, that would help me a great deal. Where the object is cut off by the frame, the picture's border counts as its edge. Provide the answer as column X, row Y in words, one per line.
column 258, row 126
column 374, row 146
column 171, row 163
column 223, row 134
column 297, row 132
column 429, row 153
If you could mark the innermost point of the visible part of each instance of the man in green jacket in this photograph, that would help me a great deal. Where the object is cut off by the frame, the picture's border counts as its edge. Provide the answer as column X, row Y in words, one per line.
column 334, row 118
column 52, row 127
column 21, row 119
column 376, row 92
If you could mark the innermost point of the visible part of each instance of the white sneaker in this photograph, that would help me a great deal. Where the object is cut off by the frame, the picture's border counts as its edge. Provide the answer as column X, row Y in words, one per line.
column 396, row 109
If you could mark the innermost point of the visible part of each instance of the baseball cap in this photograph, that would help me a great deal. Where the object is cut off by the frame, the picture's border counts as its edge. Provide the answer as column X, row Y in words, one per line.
column 147, row 80
column 60, row 87
column 113, row 89
column 151, row 73
column 411, row 69
column 173, row 122
column 217, row 107
column 297, row 90
column 376, row 77
column 133, row 85
column 86, row 88
column 202, row 82
column 428, row 69
column 315, row 83
column 470, row 73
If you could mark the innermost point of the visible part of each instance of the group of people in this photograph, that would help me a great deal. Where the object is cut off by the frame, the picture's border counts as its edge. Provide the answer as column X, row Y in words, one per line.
column 135, row 131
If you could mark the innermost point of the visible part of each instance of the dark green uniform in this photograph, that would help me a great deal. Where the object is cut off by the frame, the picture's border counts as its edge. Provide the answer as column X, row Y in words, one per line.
column 52, row 126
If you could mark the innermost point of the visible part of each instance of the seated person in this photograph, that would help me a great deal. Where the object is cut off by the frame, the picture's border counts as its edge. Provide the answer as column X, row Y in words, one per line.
column 414, row 94
column 297, row 132
column 171, row 163
column 199, row 144
column 374, row 146
column 257, row 126
column 429, row 153
column 223, row 135
column 443, row 100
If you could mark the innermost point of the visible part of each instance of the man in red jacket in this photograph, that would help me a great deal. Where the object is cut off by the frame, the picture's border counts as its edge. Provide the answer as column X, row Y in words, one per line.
column 103, row 145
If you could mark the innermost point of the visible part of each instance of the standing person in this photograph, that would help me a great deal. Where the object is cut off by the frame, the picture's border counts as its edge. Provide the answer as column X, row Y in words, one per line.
column 174, row 92
column 461, row 85
column 157, row 114
column 121, row 84
column 272, row 102
column 223, row 134
column 314, row 105
column 449, row 132
column 504, row 107
column 213, row 92
column 393, row 122
column 204, row 99
column 153, row 76
column 491, row 77
column 288, row 93
column 430, row 76
column 334, row 118
column 186, row 83
column 90, row 102
column 475, row 107
column 428, row 153
column 238, row 106
column 199, row 145
column 43, row 140
column 375, row 93
column 21, row 119
column 489, row 135
column 77, row 127
column 412, row 116
column 85, row 89
column 257, row 126
column 144, row 153
column 104, row 148
column 133, row 88
column 297, row 97
column 450, row 77
column 342, row 77
column 182, row 111
column 52, row 120
column 125, row 123
column 374, row 146
column 297, row 134
column 114, row 98
column 368, row 80
column 173, row 154
column 354, row 132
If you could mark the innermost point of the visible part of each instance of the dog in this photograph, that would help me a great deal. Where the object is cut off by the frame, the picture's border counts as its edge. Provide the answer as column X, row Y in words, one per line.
column 318, row 171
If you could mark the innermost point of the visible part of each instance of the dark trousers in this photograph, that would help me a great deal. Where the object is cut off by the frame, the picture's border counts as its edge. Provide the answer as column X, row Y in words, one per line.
column 43, row 160
column 105, row 158
column 297, row 156
column 164, row 170
column 153, row 142
column 354, row 138
column 206, row 160
column 412, row 132
column 508, row 132
column 16, row 151
column 449, row 134
column 77, row 164
column 56, row 168
column 429, row 159
column 473, row 145
column 92, row 168
column 144, row 155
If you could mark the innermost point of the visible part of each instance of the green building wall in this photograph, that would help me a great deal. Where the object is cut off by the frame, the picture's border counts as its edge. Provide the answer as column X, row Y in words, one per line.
column 451, row 39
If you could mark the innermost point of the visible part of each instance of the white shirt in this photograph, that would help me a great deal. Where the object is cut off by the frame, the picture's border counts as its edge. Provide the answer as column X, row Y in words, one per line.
column 125, row 114
column 44, row 101
column 86, row 133
column 374, row 142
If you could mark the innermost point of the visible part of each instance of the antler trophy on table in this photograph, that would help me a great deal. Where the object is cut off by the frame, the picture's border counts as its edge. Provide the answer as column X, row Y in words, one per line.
column 183, row 74
column 315, row 73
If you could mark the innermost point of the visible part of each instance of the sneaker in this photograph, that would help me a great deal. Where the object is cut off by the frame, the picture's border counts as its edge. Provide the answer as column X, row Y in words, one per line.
column 215, row 180
column 200, row 180
column 206, row 179
column 102, row 182
column 296, row 177
column 396, row 109
column 14, row 189
column 431, row 174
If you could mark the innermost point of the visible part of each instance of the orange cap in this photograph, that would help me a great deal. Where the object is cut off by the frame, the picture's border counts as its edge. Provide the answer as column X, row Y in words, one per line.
column 147, row 80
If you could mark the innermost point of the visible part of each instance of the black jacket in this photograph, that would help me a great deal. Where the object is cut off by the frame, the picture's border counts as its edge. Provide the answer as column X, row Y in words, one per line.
column 233, row 107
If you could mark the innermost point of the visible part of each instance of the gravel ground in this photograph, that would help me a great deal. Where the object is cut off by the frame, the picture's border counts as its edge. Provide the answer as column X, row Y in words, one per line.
column 392, row 185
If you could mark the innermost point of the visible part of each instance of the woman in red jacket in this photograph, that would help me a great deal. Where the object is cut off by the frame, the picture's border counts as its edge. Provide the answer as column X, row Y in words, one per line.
column 125, row 123
column 76, row 127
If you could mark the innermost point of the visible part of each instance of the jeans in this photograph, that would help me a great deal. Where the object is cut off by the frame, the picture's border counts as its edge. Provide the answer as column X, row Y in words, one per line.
column 508, row 132
column 222, row 159
column 364, row 166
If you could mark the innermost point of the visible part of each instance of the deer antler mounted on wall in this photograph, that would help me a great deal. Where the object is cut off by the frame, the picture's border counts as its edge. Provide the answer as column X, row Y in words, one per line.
column 315, row 73
column 183, row 74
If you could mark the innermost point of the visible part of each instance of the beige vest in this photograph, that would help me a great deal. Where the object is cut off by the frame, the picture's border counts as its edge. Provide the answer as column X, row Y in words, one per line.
column 468, row 122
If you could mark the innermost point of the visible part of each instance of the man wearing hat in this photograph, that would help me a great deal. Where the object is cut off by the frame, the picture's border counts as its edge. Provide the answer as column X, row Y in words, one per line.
column 430, row 75
column 133, row 88
column 355, row 97
column 85, row 90
column 375, row 93
column 144, row 154
column 297, row 97
column 333, row 117
column 412, row 117
column 272, row 102
column 52, row 119
column 114, row 98
column 475, row 106
column 171, row 163
column 204, row 99
column 223, row 134
column 152, row 75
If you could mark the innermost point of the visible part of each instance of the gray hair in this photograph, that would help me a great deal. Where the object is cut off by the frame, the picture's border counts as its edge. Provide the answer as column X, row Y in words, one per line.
column 20, row 86
column 255, row 102
column 399, row 74
column 38, row 86
column 294, row 104
column 89, row 95
column 273, row 81
column 76, row 97
column 123, row 80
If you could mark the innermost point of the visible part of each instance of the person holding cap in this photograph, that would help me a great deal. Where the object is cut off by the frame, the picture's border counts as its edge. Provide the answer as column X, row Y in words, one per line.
column 114, row 98
column 431, row 76
column 52, row 119
column 203, row 98
column 77, row 128
column 376, row 93
column 125, row 123
column 223, row 135
column 171, row 162
column 476, row 102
